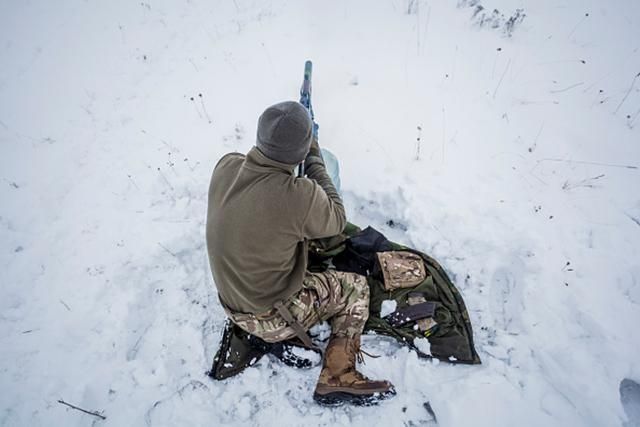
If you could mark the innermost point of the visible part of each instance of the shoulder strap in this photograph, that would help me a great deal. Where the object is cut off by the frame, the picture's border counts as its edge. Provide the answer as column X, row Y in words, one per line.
column 297, row 327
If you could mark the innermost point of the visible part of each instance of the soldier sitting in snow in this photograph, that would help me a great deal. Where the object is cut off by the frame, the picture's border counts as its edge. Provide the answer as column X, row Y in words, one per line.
column 259, row 222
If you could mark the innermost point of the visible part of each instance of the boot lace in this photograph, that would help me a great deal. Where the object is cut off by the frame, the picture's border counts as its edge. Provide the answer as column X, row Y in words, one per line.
column 360, row 353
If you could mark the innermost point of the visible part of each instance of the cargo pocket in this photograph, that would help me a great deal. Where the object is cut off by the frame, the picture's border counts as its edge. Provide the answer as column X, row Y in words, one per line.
column 400, row 269
column 316, row 284
column 302, row 305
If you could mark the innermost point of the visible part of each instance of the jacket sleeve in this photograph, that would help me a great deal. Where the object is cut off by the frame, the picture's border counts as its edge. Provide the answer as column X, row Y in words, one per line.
column 326, row 216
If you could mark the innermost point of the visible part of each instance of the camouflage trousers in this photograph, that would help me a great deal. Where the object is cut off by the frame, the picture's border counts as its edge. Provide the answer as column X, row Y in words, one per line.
column 339, row 297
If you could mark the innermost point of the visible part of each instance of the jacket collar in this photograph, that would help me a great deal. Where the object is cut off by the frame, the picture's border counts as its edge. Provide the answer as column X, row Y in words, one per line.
column 256, row 160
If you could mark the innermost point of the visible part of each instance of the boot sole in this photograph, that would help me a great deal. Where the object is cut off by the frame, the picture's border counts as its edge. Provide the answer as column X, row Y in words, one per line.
column 339, row 398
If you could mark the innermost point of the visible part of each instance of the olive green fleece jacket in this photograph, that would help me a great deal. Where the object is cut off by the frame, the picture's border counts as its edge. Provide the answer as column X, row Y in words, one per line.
column 259, row 219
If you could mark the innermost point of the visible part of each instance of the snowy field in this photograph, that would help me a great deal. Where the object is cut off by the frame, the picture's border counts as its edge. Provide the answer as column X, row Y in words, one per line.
column 509, row 149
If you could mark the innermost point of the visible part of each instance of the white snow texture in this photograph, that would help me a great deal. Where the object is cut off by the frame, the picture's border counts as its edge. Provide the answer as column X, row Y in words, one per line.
column 505, row 144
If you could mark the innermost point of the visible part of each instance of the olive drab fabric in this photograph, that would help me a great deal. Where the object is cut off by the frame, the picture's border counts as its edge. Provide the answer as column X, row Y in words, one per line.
column 452, row 339
column 259, row 220
column 342, row 298
column 449, row 331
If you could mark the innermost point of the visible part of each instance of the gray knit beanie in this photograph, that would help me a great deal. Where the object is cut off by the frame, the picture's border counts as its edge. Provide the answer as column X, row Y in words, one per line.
column 284, row 132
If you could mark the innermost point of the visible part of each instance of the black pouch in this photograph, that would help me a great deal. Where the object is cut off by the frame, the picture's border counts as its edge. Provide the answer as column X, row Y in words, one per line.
column 411, row 313
column 359, row 255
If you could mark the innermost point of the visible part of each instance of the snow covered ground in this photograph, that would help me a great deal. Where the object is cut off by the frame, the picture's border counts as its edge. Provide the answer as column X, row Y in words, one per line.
column 509, row 150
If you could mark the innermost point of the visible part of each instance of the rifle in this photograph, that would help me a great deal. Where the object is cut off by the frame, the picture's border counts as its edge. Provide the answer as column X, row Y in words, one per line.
column 305, row 99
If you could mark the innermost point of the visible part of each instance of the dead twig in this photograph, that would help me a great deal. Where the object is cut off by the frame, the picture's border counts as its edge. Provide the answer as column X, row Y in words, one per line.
column 634, row 219
column 204, row 108
column 194, row 65
column 165, row 179
column 502, row 77
column 444, row 131
column 586, row 15
column 535, row 141
column 611, row 165
column 133, row 182
column 166, row 249
column 65, row 305
column 95, row 414
column 587, row 183
column 633, row 82
column 418, row 140
column 634, row 118
column 567, row 88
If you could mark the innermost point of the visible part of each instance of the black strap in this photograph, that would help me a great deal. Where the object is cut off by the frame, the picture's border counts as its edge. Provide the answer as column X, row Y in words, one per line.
column 411, row 313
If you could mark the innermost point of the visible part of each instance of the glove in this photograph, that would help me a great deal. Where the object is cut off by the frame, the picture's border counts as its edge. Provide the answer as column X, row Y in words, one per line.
column 314, row 157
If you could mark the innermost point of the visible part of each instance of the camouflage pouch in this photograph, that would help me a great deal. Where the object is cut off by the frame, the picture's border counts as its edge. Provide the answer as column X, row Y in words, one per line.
column 401, row 269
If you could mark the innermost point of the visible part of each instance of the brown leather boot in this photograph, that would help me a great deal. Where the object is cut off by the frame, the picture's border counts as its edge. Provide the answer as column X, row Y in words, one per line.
column 339, row 380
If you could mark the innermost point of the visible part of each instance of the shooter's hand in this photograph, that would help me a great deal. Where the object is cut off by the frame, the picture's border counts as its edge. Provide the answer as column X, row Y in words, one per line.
column 314, row 157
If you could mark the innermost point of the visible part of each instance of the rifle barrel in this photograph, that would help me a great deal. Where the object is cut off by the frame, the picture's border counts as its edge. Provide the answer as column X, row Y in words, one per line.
column 305, row 98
